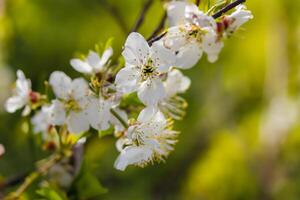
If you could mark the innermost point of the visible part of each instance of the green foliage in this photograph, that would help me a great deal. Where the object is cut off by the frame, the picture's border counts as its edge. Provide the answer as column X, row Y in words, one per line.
column 86, row 185
column 49, row 193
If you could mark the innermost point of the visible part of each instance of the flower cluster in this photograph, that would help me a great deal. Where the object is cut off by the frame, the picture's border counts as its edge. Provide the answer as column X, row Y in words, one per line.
column 103, row 98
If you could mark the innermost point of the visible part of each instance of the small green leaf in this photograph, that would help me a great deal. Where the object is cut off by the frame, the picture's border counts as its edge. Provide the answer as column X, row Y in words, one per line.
column 88, row 186
column 49, row 193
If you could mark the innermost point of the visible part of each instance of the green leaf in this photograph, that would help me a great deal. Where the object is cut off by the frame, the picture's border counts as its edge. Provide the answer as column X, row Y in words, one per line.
column 87, row 185
column 49, row 193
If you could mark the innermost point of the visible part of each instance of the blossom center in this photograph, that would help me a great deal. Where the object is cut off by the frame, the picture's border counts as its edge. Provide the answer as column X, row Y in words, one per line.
column 148, row 69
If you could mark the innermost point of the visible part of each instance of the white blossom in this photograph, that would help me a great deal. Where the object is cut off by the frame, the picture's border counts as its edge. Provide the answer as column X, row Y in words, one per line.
column 233, row 21
column 148, row 140
column 73, row 101
column 144, row 65
column 191, row 33
column 42, row 120
column 93, row 63
column 22, row 95
column 100, row 115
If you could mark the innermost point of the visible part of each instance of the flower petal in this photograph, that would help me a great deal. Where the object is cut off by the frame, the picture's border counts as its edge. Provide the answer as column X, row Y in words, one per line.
column 105, row 57
column 81, row 66
column 23, row 85
column 176, row 12
column 147, row 114
column 132, row 155
column 136, row 50
column 188, row 56
column 61, row 84
column 57, row 113
column 79, row 88
column 151, row 91
column 127, row 79
column 98, row 113
column 14, row 103
column 176, row 83
column 77, row 122
column 163, row 58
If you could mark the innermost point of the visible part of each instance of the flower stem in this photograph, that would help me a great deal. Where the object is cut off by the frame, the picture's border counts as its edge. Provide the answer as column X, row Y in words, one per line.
column 122, row 121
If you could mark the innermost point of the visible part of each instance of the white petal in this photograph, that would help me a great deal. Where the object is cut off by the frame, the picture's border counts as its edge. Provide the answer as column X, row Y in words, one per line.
column 106, row 56
column 77, row 122
column 153, row 126
column 212, row 46
column 163, row 58
column 151, row 91
column 132, row 155
column 98, row 113
column 176, row 12
column 176, row 83
column 14, row 103
column 41, row 120
column 23, row 85
column 188, row 56
column 61, row 84
column 93, row 59
column 147, row 114
column 79, row 88
column 175, row 38
column 57, row 113
column 81, row 66
column 136, row 50
column 127, row 79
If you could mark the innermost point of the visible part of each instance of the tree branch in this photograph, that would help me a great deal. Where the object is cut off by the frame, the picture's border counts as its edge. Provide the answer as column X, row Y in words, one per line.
column 160, row 26
column 227, row 8
column 116, row 15
column 141, row 18
column 198, row 2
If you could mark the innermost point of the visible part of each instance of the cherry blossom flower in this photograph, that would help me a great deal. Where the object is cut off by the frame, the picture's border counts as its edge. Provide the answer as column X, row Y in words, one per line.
column 144, row 65
column 235, row 20
column 93, row 63
column 100, row 115
column 73, row 101
column 23, row 96
column 191, row 33
column 149, row 139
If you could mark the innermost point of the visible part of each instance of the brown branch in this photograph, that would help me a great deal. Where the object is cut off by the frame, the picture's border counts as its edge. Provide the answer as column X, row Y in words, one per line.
column 141, row 17
column 156, row 38
column 227, row 8
column 160, row 26
column 198, row 2
column 116, row 15
column 12, row 181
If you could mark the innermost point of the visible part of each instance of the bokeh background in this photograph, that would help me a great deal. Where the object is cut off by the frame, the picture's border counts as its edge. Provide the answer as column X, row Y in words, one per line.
column 240, row 139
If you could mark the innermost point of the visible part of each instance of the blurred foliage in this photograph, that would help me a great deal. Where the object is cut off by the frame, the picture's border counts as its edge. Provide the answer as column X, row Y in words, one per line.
column 220, row 154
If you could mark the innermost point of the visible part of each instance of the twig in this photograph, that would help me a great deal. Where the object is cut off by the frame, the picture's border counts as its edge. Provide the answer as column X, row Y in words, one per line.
column 156, row 38
column 198, row 2
column 42, row 170
column 121, row 120
column 141, row 18
column 116, row 15
column 160, row 26
column 12, row 181
column 227, row 8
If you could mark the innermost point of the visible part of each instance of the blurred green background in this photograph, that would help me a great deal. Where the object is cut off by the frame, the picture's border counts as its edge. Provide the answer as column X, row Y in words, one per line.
column 240, row 139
